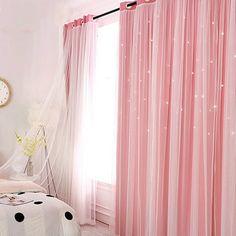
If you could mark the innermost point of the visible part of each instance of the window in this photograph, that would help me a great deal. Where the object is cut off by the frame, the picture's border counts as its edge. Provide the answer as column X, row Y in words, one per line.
column 105, row 103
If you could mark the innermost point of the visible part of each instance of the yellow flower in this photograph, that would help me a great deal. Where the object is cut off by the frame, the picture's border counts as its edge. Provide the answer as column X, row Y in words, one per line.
column 30, row 144
column 18, row 138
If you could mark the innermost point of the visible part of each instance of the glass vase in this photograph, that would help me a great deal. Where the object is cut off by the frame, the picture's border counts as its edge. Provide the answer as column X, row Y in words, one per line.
column 30, row 168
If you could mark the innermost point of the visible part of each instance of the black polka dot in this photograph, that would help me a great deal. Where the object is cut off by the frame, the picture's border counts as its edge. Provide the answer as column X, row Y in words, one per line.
column 38, row 202
column 19, row 217
column 68, row 215
column 21, row 193
column 48, row 195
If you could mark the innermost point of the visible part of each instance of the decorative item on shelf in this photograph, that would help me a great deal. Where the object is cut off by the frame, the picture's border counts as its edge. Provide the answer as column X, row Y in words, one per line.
column 30, row 144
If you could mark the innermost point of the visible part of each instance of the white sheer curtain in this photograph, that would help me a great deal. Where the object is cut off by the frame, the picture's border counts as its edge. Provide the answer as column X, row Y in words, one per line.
column 66, row 118
column 80, row 56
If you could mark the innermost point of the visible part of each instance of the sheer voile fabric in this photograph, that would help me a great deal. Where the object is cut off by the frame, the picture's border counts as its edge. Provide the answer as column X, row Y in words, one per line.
column 176, row 128
column 80, row 56
column 66, row 117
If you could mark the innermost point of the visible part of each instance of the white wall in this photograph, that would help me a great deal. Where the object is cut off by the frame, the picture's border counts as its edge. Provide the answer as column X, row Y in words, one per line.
column 28, row 55
column 94, row 7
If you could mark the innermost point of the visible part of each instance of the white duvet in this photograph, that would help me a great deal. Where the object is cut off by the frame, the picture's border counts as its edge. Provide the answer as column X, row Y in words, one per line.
column 39, row 215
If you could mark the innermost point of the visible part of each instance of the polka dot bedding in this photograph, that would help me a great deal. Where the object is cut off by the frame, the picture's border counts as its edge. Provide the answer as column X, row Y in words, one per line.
column 41, row 215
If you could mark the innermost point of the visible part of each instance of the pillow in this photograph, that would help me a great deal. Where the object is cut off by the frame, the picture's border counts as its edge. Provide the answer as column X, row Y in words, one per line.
column 11, row 186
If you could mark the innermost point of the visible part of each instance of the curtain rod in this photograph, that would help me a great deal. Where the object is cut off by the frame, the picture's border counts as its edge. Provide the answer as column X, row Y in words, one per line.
column 114, row 10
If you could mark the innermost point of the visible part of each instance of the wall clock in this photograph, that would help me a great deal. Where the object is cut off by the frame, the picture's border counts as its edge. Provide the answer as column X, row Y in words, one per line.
column 5, row 92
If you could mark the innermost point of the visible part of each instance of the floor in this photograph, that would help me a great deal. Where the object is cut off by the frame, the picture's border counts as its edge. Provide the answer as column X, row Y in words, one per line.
column 98, row 230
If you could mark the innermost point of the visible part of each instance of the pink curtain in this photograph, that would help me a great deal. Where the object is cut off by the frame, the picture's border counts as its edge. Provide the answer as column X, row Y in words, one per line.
column 80, row 39
column 176, row 167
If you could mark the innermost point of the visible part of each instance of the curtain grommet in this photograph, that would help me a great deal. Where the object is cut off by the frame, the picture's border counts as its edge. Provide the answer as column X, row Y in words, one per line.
column 87, row 18
column 128, row 7
column 124, row 6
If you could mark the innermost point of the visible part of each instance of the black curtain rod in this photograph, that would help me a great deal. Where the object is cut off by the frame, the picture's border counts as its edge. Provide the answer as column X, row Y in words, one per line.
column 114, row 10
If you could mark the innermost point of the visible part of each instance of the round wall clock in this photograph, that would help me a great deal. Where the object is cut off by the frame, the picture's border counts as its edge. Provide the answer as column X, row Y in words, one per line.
column 5, row 92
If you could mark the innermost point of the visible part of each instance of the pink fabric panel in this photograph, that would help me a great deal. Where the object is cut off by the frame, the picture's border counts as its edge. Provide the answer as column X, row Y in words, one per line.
column 68, row 42
column 144, row 1
column 123, row 119
column 176, row 133
column 79, row 58
column 134, row 76
column 228, row 210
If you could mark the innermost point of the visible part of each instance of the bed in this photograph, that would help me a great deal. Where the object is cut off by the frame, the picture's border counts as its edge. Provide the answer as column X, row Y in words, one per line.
column 26, row 210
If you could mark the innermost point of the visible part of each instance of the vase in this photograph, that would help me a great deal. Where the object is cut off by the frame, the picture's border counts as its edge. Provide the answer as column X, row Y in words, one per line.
column 30, row 168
